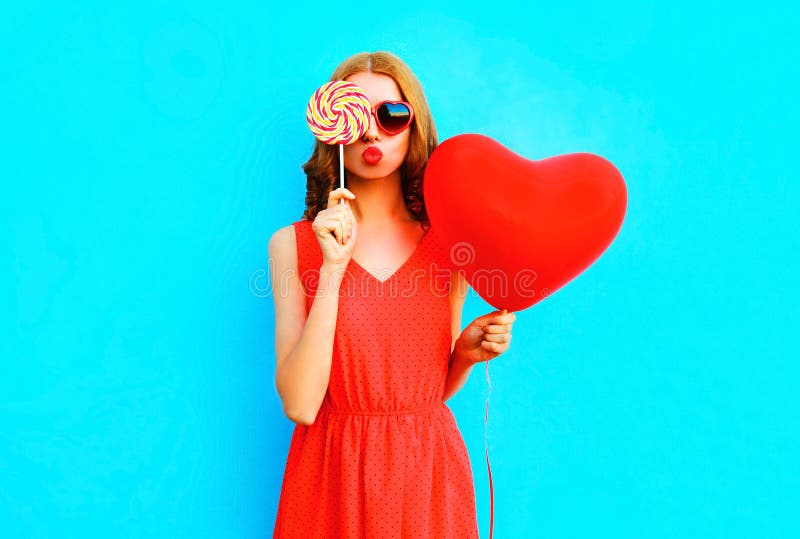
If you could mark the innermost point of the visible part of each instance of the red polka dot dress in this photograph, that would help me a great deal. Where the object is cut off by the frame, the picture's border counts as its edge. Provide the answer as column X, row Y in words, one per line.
column 384, row 457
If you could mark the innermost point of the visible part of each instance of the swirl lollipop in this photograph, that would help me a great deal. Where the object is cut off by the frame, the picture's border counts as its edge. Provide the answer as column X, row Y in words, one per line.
column 338, row 113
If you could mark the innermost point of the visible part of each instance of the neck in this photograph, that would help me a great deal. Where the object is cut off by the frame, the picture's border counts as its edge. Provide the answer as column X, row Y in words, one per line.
column 379, row 201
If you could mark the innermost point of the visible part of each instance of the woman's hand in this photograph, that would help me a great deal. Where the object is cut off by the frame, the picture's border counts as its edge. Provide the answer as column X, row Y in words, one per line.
column 335, row 228
column 486, row 337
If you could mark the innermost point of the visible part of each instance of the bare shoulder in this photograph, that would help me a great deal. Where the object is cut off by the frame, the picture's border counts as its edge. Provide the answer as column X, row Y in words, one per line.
column 282, row 247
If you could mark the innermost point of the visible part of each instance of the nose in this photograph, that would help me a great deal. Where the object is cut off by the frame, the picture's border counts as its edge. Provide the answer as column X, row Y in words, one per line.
column 372, row 134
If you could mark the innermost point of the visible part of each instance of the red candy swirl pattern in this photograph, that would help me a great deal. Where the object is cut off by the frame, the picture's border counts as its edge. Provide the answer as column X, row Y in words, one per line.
column 338, row 113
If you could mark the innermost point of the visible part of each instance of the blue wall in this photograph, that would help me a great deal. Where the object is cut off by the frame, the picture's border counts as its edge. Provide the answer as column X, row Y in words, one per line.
column 148, row 153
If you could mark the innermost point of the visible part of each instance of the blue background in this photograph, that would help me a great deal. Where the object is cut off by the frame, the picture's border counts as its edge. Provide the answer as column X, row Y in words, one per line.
column 149, row 151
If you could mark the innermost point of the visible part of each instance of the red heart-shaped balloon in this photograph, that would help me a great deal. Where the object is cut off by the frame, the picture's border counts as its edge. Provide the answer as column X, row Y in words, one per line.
column 521, row 229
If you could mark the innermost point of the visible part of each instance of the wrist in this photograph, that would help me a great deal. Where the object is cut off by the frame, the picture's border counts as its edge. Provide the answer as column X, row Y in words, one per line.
column 460, row 355
column 330, row 277
column 332, row 267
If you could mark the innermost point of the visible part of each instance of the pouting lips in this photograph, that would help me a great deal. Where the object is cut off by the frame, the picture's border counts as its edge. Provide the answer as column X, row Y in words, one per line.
column 372, row 155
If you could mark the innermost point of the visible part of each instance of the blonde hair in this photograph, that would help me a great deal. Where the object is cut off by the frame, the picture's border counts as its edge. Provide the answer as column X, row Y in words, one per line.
column 322, row 167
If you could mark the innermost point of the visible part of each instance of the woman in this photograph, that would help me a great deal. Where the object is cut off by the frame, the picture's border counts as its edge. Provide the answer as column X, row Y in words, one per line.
column 367, row 339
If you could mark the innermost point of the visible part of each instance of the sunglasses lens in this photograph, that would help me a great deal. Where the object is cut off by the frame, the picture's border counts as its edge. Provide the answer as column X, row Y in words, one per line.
column 394, row 117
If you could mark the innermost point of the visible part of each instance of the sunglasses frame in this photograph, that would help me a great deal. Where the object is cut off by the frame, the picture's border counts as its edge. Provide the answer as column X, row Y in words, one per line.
column 387, row 102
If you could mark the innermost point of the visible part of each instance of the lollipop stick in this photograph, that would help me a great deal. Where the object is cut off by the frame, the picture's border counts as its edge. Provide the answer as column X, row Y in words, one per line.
column 341, row 169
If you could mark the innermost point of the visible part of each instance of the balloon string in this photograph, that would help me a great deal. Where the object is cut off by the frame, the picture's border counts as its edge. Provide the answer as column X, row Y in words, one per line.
column 486, row 447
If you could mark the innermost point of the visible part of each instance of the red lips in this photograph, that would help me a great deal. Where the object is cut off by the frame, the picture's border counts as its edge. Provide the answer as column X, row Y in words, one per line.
column 372, row 155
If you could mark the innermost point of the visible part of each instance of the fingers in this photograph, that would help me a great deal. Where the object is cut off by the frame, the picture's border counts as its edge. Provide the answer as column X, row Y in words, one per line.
column 497, row 337
column 348, row 231
column 339, row 231
column 505, row 317
column 334, row 222
column 500, row 318
column 497, row 328
column 500, row 323
column 338, row 218
column 497, row 348
column 337, row 194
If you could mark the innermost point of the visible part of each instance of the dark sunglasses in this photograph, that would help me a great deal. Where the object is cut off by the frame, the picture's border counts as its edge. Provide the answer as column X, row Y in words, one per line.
column 393, row 116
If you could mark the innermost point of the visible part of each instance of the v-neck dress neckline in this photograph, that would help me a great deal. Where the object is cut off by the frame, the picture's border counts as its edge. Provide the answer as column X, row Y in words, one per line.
column 400, row 268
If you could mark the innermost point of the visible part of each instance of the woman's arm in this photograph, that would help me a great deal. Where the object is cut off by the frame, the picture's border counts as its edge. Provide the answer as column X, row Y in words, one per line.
column 459, row 369
column 483, row 339
column 303, row 345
